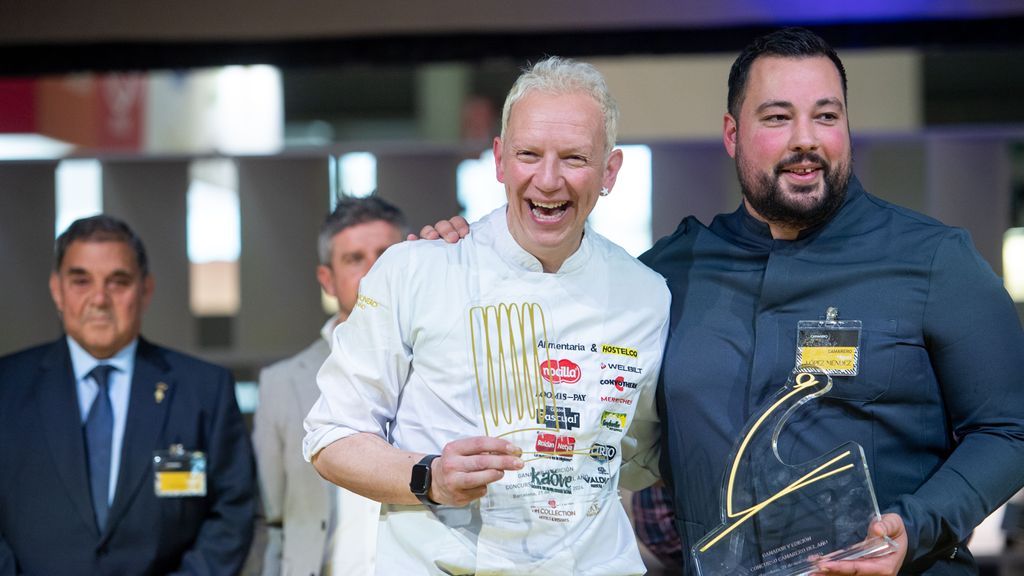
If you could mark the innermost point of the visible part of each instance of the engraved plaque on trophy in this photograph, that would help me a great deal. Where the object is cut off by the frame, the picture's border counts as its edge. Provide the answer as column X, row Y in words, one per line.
column 778, row 517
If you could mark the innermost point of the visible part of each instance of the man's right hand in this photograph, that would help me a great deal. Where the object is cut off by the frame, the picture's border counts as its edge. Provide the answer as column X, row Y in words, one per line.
column 452, row 230
column 468, row 465
column 890, row 526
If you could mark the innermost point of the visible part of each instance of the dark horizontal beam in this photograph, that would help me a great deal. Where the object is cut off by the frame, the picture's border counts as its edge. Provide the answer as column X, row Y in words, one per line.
column 39, row 59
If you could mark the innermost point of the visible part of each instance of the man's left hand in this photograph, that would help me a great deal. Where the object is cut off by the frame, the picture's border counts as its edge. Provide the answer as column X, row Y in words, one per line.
column 452, row 230
column 890, row 525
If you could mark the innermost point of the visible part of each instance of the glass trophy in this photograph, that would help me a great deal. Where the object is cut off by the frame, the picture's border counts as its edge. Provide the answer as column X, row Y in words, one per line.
column 528, row 396
column 779, row 518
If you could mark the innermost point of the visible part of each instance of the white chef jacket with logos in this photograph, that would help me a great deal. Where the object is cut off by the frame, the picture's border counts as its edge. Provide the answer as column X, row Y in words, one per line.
column 449, row 341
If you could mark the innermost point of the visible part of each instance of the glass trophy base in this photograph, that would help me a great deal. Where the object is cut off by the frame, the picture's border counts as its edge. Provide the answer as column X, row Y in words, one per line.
column 870, row 548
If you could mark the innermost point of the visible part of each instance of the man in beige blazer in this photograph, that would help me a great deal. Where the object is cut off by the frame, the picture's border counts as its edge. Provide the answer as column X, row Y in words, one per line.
column 314, row 527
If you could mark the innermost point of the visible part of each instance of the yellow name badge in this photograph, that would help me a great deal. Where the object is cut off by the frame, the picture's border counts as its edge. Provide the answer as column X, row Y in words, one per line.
column 829, row 346
column 837, row 358
column 179, row 473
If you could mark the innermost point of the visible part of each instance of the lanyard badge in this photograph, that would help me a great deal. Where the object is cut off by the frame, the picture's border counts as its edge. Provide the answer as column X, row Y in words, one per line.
column 179, row 473
column 830, row 346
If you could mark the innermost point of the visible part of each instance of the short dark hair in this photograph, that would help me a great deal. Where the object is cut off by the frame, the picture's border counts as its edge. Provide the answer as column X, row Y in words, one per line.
column 352, row 211
column 101, row 228
column 788, row 43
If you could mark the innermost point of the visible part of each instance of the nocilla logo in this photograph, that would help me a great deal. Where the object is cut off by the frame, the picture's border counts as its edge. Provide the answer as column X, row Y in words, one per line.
column 507, row 366
column 620, row 350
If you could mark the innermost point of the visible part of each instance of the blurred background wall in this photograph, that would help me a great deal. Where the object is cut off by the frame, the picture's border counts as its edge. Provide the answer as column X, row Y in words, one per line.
column 223, row 130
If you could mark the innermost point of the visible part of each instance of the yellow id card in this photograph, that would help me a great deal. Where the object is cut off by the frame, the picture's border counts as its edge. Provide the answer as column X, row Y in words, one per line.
column 179, row 473
column 829, row 346
column 829, row 358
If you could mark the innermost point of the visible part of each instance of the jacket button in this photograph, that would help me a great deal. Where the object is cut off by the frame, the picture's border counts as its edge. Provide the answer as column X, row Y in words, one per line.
column 323, row 525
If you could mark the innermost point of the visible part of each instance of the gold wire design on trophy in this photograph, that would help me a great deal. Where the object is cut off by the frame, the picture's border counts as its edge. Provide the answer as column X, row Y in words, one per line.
column 514, row 386
column 804, row 381
column 511, row 387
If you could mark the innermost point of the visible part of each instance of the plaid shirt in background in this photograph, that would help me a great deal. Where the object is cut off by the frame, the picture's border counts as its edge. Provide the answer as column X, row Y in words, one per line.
column 654, row 522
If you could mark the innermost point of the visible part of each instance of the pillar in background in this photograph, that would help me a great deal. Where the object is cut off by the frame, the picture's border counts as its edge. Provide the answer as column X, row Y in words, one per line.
column 150, row 195
column 969, row 186
column 423, row 185
column 27, row 214
column 894, row 170
column 440, row 92
column 283, row 201
column 690, row 178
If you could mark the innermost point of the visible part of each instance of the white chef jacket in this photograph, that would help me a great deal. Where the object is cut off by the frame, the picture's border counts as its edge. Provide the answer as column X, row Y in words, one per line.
column 449, row 341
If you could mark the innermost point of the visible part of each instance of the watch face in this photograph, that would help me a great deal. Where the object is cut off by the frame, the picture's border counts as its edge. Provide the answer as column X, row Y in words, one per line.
column 420, row 482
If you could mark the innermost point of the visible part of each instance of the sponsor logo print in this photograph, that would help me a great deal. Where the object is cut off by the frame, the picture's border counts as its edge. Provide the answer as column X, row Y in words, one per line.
column 559, row 481
column 563, row 396
column 552, row 513
column 554, row 446
column 615, row 421
column 596, row 480
column 564, row 418
column 617, row 400
column 545, row 345
column 620, row 350
column 519, row 489
column 603, row 452
column 620, row 383
column 363, row 301
column 560, row 371
column 622, row 368
column 594, row 509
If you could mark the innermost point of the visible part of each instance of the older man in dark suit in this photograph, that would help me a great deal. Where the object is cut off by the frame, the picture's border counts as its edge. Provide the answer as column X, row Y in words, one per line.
column 118, row 456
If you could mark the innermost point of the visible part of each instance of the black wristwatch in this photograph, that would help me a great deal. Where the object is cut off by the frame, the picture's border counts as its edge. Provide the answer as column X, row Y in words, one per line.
column 420, row 482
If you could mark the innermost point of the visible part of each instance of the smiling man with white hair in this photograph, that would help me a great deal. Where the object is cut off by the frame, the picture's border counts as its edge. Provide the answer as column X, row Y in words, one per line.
column 492, row 394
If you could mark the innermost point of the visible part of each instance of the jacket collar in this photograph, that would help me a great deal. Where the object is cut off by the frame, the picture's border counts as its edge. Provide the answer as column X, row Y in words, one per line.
column 742, row 228
column 495, row 228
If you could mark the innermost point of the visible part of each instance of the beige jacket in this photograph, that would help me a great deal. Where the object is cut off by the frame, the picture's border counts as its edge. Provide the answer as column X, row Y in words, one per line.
column 295, row 497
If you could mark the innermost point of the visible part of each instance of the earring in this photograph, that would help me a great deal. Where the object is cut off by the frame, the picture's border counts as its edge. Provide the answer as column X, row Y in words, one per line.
column 604, row 192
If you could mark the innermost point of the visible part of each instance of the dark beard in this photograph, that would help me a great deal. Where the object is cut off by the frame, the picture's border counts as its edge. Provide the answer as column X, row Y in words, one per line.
column 766, row 197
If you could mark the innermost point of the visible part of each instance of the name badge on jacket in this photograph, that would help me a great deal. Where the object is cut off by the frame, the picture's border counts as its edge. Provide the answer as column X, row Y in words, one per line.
column 830, row 346
column 179, row 473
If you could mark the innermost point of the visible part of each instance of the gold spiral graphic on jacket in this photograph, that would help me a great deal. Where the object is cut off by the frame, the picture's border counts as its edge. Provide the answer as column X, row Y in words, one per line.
column 507, row 366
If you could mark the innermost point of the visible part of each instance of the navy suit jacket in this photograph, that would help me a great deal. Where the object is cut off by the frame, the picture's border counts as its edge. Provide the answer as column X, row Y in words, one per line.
column 47, row 527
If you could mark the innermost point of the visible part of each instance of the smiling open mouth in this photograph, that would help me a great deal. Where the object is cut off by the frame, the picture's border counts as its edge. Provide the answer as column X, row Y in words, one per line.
column 802, row 165
column 548, row 210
